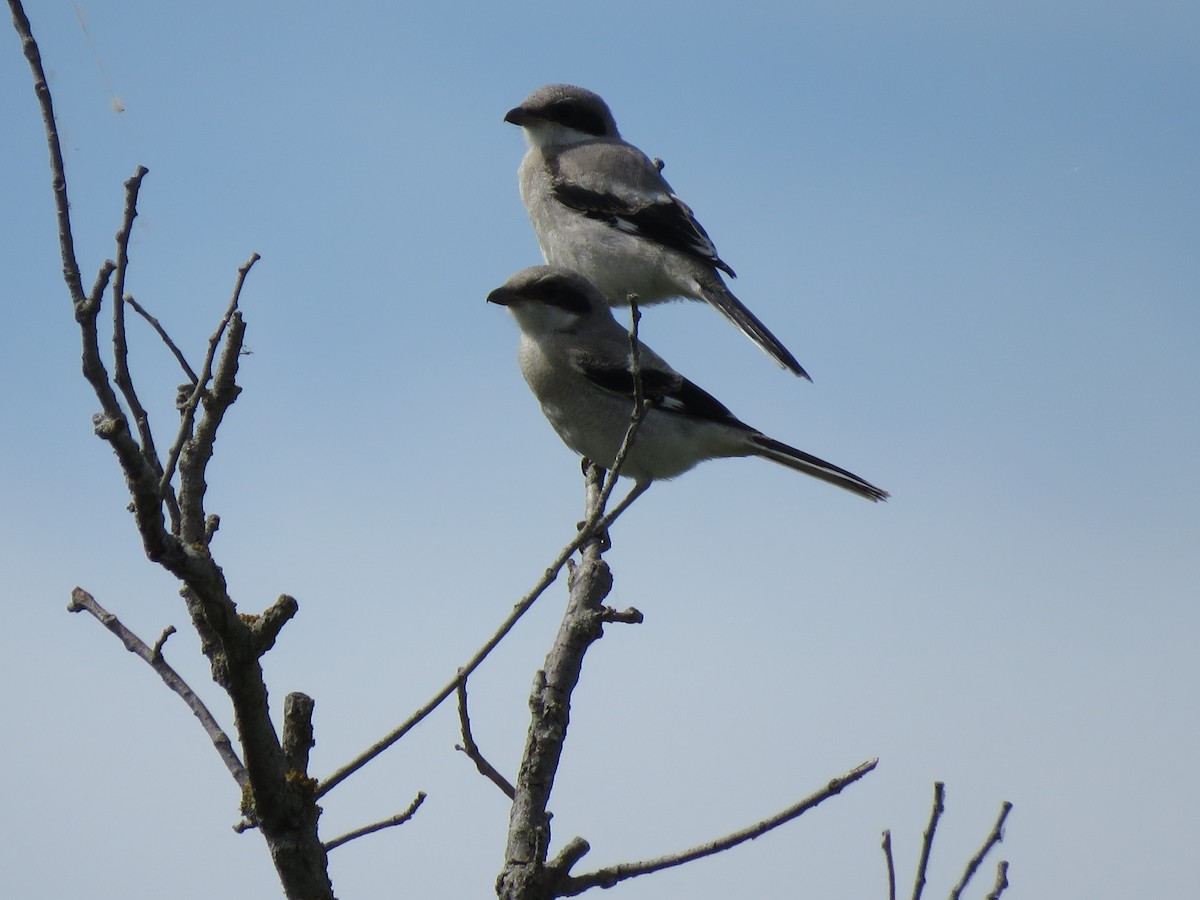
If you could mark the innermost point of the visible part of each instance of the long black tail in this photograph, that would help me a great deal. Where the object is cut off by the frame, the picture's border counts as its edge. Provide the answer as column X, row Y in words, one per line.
column 774, row 450
column 716, row 293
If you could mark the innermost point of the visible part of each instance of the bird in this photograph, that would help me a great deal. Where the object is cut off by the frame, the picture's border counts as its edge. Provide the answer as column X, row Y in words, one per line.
column 578, row 361
column 600, row 206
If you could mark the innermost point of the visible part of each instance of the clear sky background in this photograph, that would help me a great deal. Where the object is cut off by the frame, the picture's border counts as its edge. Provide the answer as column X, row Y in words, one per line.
column 976, row 224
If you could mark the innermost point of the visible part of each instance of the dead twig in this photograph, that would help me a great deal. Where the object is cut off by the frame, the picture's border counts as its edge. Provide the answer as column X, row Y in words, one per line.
column 891, row 864
column 399, row 819
column 992, row 840
column 939, row 806
column 82, row 601
column 471, row 749
column 611, row 875
column 166, row 338
column 188, row 410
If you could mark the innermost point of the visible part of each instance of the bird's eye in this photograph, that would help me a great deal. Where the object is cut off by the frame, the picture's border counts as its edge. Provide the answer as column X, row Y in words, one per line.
column 572, row 115
column 564, row 296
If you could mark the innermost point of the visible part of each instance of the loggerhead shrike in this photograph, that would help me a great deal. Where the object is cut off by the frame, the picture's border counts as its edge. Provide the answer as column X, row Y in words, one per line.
column 601, row 207
column 577, row 360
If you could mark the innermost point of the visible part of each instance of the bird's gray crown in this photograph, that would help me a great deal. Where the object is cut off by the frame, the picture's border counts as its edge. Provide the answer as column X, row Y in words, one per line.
column 550, row 286
column 569, row 106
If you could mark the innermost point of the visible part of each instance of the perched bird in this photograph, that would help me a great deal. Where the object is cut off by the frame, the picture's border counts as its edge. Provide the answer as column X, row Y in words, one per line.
column 601, row 207
column 577, row 360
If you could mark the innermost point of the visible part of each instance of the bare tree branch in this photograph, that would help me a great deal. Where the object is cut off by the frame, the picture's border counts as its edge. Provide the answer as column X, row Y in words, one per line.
column 525, row 873
column 593, row 525
column 891, row 863
column 66, row 239
column 121, row 375
column 82, row 601
column 611, row 875
column 993, row 839
column 399, row 819
column 1001, row 881
column 939, row 796
column 166, row 338
column 232, row 320
column 471, row 749
column 283, row 806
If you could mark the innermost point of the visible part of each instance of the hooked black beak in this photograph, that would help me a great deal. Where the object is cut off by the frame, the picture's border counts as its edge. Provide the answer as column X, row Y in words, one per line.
column 517, row 116
column 503, row 296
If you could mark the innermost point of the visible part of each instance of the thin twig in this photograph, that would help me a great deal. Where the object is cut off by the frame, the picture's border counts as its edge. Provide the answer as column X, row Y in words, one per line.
column 471, row 749
column 201, row 383
column 939, row 806
column 166, row 338
column 611, row 875
column 81, row 601
column 1001, row 881
column 62, row 207
column 121, row 375
column 993, row 839
column 891, row 864
column 640, row 407
column 378, row 826
column 523, row 606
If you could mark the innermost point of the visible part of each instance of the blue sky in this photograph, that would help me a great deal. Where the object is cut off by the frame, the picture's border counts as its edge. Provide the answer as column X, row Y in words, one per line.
column 975, row 224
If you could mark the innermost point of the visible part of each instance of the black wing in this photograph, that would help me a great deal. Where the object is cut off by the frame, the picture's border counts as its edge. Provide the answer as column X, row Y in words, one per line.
column 667, row 391
column 631, row 196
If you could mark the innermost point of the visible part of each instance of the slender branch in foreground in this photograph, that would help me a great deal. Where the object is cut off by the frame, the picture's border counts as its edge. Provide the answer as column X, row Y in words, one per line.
column 1001, row 881
column 939, row 806
column 611, row 875
column 471, row 749
column 993, row 839
column 378, row 826
column 82, row 601
column 166, row 338
column 891, row 863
